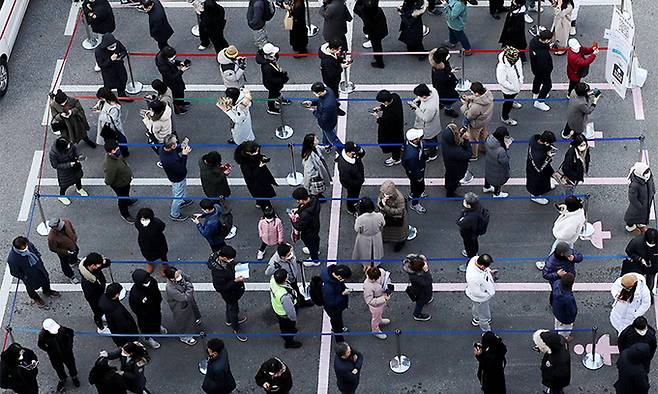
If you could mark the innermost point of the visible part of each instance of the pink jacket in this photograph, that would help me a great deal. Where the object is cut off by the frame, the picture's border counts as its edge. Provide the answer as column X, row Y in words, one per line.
column 270, row 231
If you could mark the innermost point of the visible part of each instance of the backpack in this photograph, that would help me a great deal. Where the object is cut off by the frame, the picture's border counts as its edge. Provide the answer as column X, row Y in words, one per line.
column 315, row 290
column 226, row 218
column 483, row 222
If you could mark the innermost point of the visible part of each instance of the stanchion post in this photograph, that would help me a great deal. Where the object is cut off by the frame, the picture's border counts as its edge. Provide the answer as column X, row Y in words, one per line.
column 284, row 131
column 593, row 360
column 91, row 42
column 294, row 178
column 303, row 290
column 588, row 229
column 463, row 85
column 42, row 228
column 642, row 140
column 132, row 87
column 400, row 363
column 203, row 364
column 346, row 86
column 311, row 29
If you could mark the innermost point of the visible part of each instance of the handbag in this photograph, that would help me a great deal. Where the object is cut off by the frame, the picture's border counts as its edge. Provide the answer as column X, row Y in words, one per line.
column 57, row 126
column 287, row 22
column 110, row 132
column 317, row 185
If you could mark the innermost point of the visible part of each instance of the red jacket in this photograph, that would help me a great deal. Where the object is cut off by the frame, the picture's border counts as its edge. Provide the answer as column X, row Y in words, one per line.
column 575, row 61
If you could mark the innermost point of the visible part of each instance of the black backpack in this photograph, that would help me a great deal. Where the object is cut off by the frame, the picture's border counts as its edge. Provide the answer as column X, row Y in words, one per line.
column 483, row 222
column 315, row 290
column 226, row 218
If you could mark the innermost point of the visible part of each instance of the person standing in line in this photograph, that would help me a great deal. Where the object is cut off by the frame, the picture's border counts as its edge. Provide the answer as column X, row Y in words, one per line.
column 570, row 222
column 93, row 284
column 212, row 22
column 159, row 27
column 305, row 219
column 19, row 369
column 368, row 244
column 232, row 67
column 639, row 332
column 284, row 301
column 66, row 161
column 99, row 17
column 325, row 109
column 209, row 224
column 57, row 342
column 236, row 104
column 579, row 58
column 426, row 107
column 643, row 251
column 332, row 63
column 480, row 289
column 26, row 265
column 110, row 125
column 633, row 376
column 576, row 162
column 118, row 176
column 392, row 204
column 229, row 286
column 274, row 376
column 253, row 165
column 444, row 80
column 496, row 7
column 561, row 25
column 163, row 94
column 119, row 320
column 63, row 241
column 336, row 296
column 376, row 28
column 632, row 299
column 564, row 305
column 270, row 231
column 274, row 77
column 106, row 378
column 335, row 15
column 390, row 126
column 541, row 64
column 298, row 36
column 513, row 33
column 285, row 259
column 151, row 239
column 411, row 28
column 259, row 12
column 477, row 109
column 71, row 115
column 316, row 171
column 509, row 73
column 641, row 192
column 562, row 261
column 376, row 293
column 172, row 71
column 420, row 289
column 214, row 177
column 456, row 153
column 490, row 353
column 582, row 102
column 145, row 300
column 556, row 361
column 133, row 358
column 174, row 163
column 497, row 162
column 109, row 58
column 159, row 124
column 218, row 379
column 347, row 365
column 456, row 15
column 538, row 169
column 181, row 301
column 414, row 162
column 470, row 223
column 351, row 173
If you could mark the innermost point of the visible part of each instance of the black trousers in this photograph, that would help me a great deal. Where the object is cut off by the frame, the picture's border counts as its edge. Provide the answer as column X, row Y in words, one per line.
column 417, row 188
column 451, row 183
column 98, row 314
column 471, row 245
column 69, row 362
column 272, row 95
column 312, row 242
column 507, row 105
column 162, row 44
column 287, row 326
column 541, row 85
column 352, row 192
column 337, row 325
column 572, row 85
column 32, row 292
column 496, row 188
column 67, row 261
column 377, row 47
column 232, row 312
column 123, row 203
column 496, row 6
column 78, row 185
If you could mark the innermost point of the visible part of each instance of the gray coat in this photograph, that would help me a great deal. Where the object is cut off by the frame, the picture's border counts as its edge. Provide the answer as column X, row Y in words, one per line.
column 368, row 243
column 640, row 196
column 496, row 165
column 180, row 298
column 428, row 116
column 578, row 111
column 315, row 166
column 291, row 266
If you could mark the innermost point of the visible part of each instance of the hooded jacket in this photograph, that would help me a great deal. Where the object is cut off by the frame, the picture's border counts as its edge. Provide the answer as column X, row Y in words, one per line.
column 578, row 111
column 640, row 197
column 93, row 283
column 290, row 266
column 103, row 20
column 555, row 263
column 478, row 109
column 58, row 346
column 469, row 220
column 623, row 312
column 213, row 180
column 274, row 77
column 568, row 225
column 210, row 227
column 631, row 336
column 480, row 285
column 219, row 379
column 145, row 302
column 497, row 162
column 509, row 76
column 538, row 167
column 491, row 364
column 633, row 377
column 541, row 60
column 230, row 70
column 259, row 12
column 573, row 167
column 455, row 157
column 330, row 65
column 428, row 115
column 119, row 320
column 63, row 241
column 151, row 239
column 172, row 75
column 161, row 126
column 19, row 376
column 113, row 71
column 67, row 174
column 556, row 363
column 332, row 292
column 577, row 60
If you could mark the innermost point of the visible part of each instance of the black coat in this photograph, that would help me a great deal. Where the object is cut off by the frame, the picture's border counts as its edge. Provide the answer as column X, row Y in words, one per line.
column 638, row 249
column 151, row 239
column 113, row 71
column 390, row 125
column 411, row 27
column 468, row 221
column 331, row 69
column 103, row 20
column 298, row 34
column 279, row 384
column 513, row 33
column 94, row 289
column 219, row 379
column 172, row 76
column 133, row 371
column 629, row 337
column 374, row 20
column 58, row 346
column 33, row 276
column 145, row 304
column 13, row 375
column 223, row 279
column 445, row 82
column 572, row 167
column 213, row 180
column 351, row 175
column 309, row 218
column 491, row 372
column 422, row 285
column 213, row 22
column 119, row 320
column 538, row 169
column 556, row 368
column 633, row 377
column 159, row 27
column 67, row 175
column 347, row 381
column 455, row 157
column 274, row 77
column 107, row 380
column 541, row 60
column 258, row 178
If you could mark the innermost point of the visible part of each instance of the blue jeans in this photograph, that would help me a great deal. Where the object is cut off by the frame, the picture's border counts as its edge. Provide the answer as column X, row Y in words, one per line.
column 418, row 309
column 329, row 137
column 458, row 35
column 178, row 190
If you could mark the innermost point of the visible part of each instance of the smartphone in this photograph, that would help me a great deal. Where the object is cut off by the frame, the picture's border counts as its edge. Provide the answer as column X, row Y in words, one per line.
column 265, row 159
column 389, row 289
column 477, row 345
column 185, row 143
column 187, row 62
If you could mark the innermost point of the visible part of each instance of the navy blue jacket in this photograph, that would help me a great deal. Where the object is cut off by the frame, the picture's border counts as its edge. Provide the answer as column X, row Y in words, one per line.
column 332, row 292
column 219, row 379
column 564, row 304
column 347, row 381
column 326, row 110
column 210, row 226
column 159, row 27
column 413, row 160
column 33, row 276
column 174, row 164
column 455, row 157
column 553, row 265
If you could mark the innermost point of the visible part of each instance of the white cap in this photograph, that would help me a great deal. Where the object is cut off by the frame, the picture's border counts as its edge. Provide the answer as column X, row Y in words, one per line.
column 270, row 49
column 413, row 134
column 51, row 326
column 574, row 45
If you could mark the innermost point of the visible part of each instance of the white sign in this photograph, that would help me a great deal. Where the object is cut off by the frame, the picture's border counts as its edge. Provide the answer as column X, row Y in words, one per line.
column 620, row 51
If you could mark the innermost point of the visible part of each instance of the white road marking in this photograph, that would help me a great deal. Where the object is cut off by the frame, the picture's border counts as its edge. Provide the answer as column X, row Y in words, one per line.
column 638, row 103
column 5, row 289
column 72, row 18
column 30, row 185
column 53, row 85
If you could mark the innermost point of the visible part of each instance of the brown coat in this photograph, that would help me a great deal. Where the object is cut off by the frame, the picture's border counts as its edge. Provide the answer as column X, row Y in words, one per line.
column 478, row 110
column 62, row 242
column 396, row 228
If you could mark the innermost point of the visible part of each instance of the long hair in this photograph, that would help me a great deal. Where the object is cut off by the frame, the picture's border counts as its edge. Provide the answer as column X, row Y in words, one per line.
column 308, row 145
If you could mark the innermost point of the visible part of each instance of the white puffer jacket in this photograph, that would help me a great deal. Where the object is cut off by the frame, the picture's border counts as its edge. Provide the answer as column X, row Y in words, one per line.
column 568, row 225
column 623, row 313
column 509, row 76
column 480, row 285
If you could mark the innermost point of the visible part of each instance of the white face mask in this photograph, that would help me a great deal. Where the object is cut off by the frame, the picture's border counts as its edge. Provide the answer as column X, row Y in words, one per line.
column 650, row 245
column 172, row 59
column 147, row 284
column 145, row 222
column 582, row 148
column 179, row 278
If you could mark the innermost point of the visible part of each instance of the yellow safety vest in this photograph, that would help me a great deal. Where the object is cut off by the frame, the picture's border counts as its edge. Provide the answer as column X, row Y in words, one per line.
column 276, row 292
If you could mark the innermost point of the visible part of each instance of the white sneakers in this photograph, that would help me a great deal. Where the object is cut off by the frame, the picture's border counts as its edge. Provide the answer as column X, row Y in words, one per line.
column 367, row 44
column 309, row 263
column 231, row 234
column 97, row 68
column 64, row 200
column 390, row 162
column 516, row 105
column 540, row 265
column 379, row 335
column 528, row 18
column 539, row 200
column 260, row 255
column 305, row 250
column 501, row 195
column 188, row 341
column 105, row 330
column 509, row 122
column 82, row 192
column 489, row 189
column 202, row 47
column 540, row 105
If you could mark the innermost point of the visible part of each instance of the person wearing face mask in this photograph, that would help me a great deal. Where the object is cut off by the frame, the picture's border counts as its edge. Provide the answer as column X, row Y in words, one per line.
column 497, row 162
column 64, row 158
column 174, row 163
column 582, row 102
column 110, row 124
column 257, row 175
column 305, row 219
column 351, row 173
column 541, row 64
column 218, row 379
column 172, row 71
column 469, row 224
column 118, row 176
column 570, row 223
column 232, row 67
column 158, row 122
column 444, row 79
column 332, row 64
column 270, row 231
column 456, row 152
column 151, row 238
column 99, row 17
column 414, row 162
column 159, row 27
column 284, row 301
column 93, row 285
column 68, row 112
column 576, row 161
column 285, row 259
column 119, row 320
column 57, row 342
column 390, row 125
column 348, row 364
column 209, row 224
column 556, row 361
column 643, row 252
column 641, row 193
column 237, row 106
column 274, row 77
column 393, row 205
column 563, row 260
column 144, row 301
column 336, row 296
column 579, row 59
column 107, row 379
column 133, row 358
column 509, row 73
column 109, row 57
column 181, row 301
column 229, row 286
column 632, row 299
column 63, row 241
column 538, row 167
column 426, row 107
column 274, row 376
column 26, row 265
column 316, row 171
column 325, row 110
column 19, row 369
column 477, row 109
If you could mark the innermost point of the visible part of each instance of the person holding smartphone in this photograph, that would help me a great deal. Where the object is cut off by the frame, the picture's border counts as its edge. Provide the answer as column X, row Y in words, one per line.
column 377, row 290
column 172, row 71
column 109, row 57
column 490, row 353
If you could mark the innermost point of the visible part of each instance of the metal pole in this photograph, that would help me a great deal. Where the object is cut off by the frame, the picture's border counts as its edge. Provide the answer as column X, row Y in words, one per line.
column 133, row 87
column 122, row 294
column 294, row 178
column 400, row 363
column 588, row 229
column 303, row 290
column 593, row 360
column 91, row 42
column 346, row 86
column 464, row 84
column 203, row 364
column 42, row 228
column 311, row 29
column 284, row 131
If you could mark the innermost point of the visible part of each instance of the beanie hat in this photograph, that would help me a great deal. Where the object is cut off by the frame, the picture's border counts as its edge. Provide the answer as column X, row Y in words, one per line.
column 413, row 134
column 511, row 54
column 140, row 276
column 60, row 97
column 56, row 223
column 231, row 52
column 574, row 45
column 629, row 280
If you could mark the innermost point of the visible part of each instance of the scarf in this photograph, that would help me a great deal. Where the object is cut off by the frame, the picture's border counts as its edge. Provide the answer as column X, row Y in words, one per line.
column 31, row 257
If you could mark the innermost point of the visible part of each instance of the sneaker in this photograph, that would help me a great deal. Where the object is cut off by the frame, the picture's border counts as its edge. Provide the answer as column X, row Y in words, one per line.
column 367, row 44
column 473, row 158
column 186, row 203
column 501, row 195
column 516, row 105
column 489, row 189
column 566, row 135
column 40, row 303
column 293, row 345
column 103, row 330
column 379, row 335
column 541, row 106
column 202, row 47
column 475, row 323
column 260, row 255
column 276, row 111
column 97, row 68
column 426, row 30
column 179, row 218
column 510, row 121
column 540, row 200
column 74, row 280
column 540, row 265
column 572, row 31
column 64, row 200
column 129, row 219
column 385, row 322
column 159, row 164
column 152, row 343
column 240, row 321
column 305, row 250
column 309, row 263
column 468, row 178
column 82, row 192
column 418, row 208
column 231, row 234
column 240, row 337
column 528, row 19
column 60, row 386
column 464, row 253
column 431, row 158
column 76, row 381
column 390, row 162
column 422, row 317
column 285, row 101
column 163, row 330
column 188, row 340
column 52, row 294
column 632, row 228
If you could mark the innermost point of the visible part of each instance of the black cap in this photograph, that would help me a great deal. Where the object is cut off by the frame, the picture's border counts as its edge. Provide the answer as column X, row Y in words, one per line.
column 110, row 145
column 300, row 193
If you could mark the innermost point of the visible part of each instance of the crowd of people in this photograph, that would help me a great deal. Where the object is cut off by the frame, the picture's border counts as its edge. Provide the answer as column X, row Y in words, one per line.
column 384, row 220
